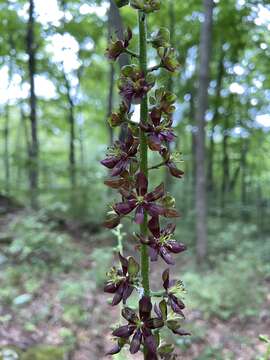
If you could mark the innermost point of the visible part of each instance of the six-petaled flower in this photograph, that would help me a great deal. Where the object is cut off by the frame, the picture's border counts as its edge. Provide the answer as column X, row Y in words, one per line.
column 134, row 84
column 161, row 242
column 174, row 290
column 121, row 154
column 116, row 48
column 159, row 130
column 140, row 200
column 140, row 328
column 121, row 282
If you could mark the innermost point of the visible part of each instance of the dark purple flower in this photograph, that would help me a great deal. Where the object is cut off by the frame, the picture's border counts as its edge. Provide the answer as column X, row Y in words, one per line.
column 120, row 156
column 174, row 290
column 173, row 322
column 121, row 282
column 142, row 201
column 133, row 84
column 116, row 48
column 168, row 59
column 170, row 160
column 162, row 242
column 159, row 130
column 119, row 117
column 140, row 328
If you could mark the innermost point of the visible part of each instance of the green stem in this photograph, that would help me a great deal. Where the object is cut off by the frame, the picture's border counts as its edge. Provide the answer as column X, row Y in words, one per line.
column 144, row 149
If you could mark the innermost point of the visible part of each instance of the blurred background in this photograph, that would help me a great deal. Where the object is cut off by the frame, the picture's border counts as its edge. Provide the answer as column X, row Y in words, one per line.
column 57, row 90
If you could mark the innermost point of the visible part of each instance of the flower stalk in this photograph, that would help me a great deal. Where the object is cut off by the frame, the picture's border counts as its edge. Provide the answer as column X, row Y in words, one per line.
column 127, row 161
column 142, row 19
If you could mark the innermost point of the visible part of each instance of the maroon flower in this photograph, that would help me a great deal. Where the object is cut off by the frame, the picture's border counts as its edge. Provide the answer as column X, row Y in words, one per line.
column 121, row 155
column 173, row 322
column 120, row 117
column 170, row 160
column 174, row 290
column 140, row 328
column 133, row 84
column 168, row 59
column 121, row 282
column 116, row 48
column 142, row 201
column 162, row 242
column 158, row 130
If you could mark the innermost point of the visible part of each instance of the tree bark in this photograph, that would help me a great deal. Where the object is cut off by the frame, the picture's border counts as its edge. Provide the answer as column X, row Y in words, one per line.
column 211, row 154
column 6, row 149
column 71, row 119
column 34, row 148
column 204, row 77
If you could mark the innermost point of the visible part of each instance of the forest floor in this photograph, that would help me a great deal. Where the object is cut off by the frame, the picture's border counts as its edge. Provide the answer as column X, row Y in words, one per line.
column 58, row 315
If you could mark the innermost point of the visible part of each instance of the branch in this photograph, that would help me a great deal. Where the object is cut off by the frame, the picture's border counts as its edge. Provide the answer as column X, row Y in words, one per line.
column 154, row 68
column 131, row 53
column 156, row 166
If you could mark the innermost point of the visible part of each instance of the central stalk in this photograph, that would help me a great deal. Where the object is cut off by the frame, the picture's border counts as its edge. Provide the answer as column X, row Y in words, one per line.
column 144, row 148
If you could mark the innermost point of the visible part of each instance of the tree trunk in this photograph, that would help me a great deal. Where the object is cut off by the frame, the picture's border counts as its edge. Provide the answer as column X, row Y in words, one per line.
column 34, row 151
column 226, row 159
column 6, row 149
column 71, row 119
column 211, row 154
column 204, row 77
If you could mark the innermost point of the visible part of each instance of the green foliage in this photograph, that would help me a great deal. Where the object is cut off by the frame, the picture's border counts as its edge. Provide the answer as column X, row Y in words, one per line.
column 102, row 259
column 231, row 289
column 36, row 242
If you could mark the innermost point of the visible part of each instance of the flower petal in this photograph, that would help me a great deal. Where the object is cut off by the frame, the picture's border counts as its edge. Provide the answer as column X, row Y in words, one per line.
column 166, row 256
column 145, row 307
column 151, row 345
column 136, row 342
column 139, row 215
column 125, row 208
column 181, row 332
column 174, row 171
column 153, row 226
column 110, row 162
column 175, row 246
column 154, row 142
column 118, row 295
column 153, row 253
column 120, row 167
column 110, row 288
column 166, row 278
column 130, row 315
column 156, row 194
column 114, row 350
column 154, row 209
column 154, row 323
column 124, row 331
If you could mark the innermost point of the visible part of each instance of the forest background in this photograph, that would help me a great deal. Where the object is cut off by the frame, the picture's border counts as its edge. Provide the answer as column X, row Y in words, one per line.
column 57, row 91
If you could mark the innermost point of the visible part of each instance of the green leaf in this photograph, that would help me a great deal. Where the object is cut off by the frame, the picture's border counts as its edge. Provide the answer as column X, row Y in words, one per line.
column 133, row 267
column 121, row 3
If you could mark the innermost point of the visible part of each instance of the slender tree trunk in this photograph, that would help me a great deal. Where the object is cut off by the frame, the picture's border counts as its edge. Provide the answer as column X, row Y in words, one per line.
column 204, row 76
column 6, row 149
column 71, row 118
column 34, row 149
column 211, row 154
column 226, row 160
column 193, row 138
